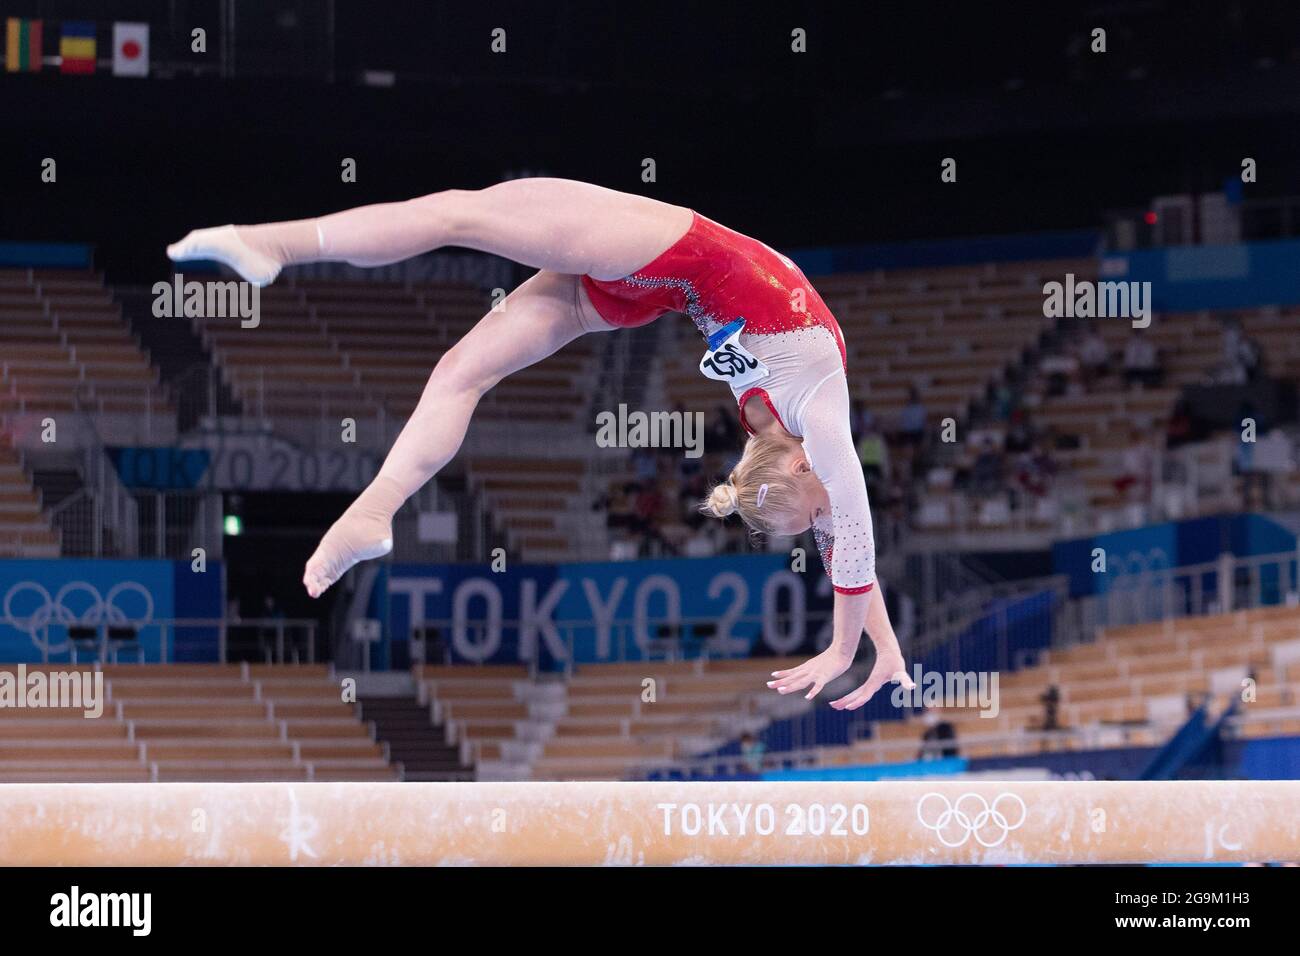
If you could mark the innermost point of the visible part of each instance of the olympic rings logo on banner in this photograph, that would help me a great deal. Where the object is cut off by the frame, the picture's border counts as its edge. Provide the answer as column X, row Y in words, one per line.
column 102, row 609
column 971, row 814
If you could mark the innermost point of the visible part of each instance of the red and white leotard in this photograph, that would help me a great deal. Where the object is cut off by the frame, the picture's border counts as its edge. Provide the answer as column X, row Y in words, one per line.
column 715, row 276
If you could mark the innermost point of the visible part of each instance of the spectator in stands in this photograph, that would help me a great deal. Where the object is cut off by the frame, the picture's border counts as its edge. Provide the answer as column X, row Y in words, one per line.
column 618, row 508
column 988, row 472
column 1061, row 370
column 1094, row 356
column 961, row 467
column 1141, row 362
column 874, row 455
column 1051, row 701
column 271, row 613
column 648, row 514
column 900, row 502
column 688, row 469
column 1241, row 356
column 911, row 421
column 645, row 465
column 1034, row 471
column 1256, row 481
column 1178, row 431
column 752, row 749
column 1136, row 464
column 1020, row 433
column 863, row 420
column 1003, row 400
column 939, row 739
column 1050, row 439
column 1251, row 355
column 693, row 488
column 722, row 431
column 705, row 541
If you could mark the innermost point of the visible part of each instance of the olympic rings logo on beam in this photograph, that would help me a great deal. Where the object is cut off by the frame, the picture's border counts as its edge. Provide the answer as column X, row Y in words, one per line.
column 102, row 609
column 971, row 815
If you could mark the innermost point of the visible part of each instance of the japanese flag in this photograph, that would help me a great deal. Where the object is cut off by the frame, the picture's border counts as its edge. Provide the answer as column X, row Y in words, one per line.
column 130, row 49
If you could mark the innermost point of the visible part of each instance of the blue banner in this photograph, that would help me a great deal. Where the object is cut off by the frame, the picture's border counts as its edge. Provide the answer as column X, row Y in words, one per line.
column 42, row 600
column 607, row 611
column 163, row 468
column 45, row 255
column 1069, row 244
column 1191, row 278
column 946, row 766
column 1159, row 547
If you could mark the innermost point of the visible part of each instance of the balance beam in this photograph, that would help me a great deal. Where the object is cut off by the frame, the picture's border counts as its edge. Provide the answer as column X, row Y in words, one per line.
column 523, row 824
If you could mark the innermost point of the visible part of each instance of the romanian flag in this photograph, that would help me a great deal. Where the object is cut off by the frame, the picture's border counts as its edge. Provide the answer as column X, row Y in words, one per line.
column 77, row 47
column 22, row 45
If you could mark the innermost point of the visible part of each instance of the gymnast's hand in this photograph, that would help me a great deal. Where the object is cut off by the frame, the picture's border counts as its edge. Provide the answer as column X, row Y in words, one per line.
column 889, row 668
column 817, row 671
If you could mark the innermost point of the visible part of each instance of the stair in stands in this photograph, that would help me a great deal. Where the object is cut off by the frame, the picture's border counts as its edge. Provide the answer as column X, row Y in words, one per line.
column 183, row 361
column 56, row 485
column 414, row 741
column 24, row 524
column 75, row 525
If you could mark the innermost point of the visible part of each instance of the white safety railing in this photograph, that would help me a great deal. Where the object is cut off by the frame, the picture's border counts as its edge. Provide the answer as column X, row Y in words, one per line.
column 1214, row 587
column 112, row 638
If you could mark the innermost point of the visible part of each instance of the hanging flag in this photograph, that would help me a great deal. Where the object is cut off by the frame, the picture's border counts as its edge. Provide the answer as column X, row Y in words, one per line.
column 130, row 49
column 22, row 45
column 77, row 47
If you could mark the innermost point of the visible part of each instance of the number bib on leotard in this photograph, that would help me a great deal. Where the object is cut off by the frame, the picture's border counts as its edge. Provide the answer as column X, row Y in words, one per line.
column 729, row 361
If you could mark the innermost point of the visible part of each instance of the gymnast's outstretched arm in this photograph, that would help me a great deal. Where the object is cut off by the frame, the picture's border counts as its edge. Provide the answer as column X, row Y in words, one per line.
column 847, row 540
column 890, row 665
column 853, row 613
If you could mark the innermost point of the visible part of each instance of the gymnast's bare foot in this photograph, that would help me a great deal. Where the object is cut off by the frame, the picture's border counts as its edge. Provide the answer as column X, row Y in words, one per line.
column 226, row 244
column 363, row 532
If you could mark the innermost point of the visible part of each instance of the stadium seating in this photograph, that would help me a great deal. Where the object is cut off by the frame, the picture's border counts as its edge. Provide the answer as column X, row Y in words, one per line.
column 950, row 332
column 196, row 723
column 330, row 348
column 946, row 330
column 24, row 528
column 542, row 503
column 1105, row 418
column 601, row 723
column 64, row 346
column 1275, row 331
column 338, row 347
column 361, row 349
column 1133, row 686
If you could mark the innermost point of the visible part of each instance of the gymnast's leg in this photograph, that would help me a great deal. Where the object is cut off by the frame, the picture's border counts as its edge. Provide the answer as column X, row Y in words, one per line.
column 542, row 315
column 556, row 224
column 562, row 227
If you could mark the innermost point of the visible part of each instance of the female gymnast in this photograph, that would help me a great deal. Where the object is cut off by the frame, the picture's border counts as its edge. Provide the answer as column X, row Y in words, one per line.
column 610, row 260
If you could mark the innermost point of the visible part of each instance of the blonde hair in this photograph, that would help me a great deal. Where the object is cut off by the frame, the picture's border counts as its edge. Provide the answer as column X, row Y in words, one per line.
column 764, row 462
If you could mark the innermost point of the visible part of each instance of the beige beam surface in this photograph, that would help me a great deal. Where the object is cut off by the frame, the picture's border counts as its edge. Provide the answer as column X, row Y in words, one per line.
column 512, row 824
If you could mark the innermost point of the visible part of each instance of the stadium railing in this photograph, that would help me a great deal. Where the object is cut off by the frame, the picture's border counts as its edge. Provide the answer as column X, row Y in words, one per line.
column 278, row 640
column 1230, row 583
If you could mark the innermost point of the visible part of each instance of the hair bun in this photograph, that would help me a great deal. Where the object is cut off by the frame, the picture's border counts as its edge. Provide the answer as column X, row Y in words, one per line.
column 722, row 500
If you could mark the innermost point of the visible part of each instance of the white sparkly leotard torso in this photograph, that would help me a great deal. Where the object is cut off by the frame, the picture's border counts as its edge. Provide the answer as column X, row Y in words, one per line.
column 716, row 276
